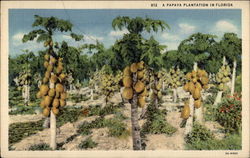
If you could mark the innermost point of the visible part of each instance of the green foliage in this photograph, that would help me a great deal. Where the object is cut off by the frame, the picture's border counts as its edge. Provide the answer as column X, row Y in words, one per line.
column 171, row 59
column 76, row 37
column 23, row 110
column 87, row 143
column 15, row 96
column 128, row 50
column 108, row 109
column 138, row 24
column 19, row 131
column 210, row 110
column 131, row 48
column 115, row 125
column 41, row 146
column 152, row 53
column 228, row 113
column 196, row 49
column 67, row 114
column 117, row 128
column 238, row 84
column 156, row 123
column 198, row 133
column 78, row 98
column 202, row 139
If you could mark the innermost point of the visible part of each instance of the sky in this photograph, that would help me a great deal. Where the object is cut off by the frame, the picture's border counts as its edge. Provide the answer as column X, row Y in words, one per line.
column 95, row 24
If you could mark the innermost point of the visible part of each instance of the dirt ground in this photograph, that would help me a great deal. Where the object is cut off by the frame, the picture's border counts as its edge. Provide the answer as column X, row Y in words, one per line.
column 100, row 136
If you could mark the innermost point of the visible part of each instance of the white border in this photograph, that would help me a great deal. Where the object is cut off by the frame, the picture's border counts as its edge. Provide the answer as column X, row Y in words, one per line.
column 5, row 5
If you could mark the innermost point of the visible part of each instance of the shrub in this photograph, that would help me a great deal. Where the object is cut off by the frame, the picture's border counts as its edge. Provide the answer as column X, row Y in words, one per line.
column 78, row 97
column 229, row 113
column 202, row 139
column 210, row 110
column 87, row 143
column 42, row 146
column 18, row 131
column 238, row 84
column 23, row 110
column 156, row 123
column 117, row 128
column 115, row 125
column 97, row 110
column 198, row 134
column 68, row 114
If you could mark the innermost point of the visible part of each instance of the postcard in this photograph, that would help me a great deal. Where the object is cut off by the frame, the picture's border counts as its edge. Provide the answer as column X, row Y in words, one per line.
column 125, row 79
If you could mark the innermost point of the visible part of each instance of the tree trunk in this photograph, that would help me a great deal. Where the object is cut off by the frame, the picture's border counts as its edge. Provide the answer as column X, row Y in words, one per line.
column 198, row 112
column 163, row 86
column 23, row 93
column 91, row 94
column 174, row 95
column 143, row 112
column 134, row 120
column 26, row 94
column 224, row 61
column 52, row 130
column 121, row 94
column 219, row 94
column 156, row 100
column 46, row 123
column 52, row 123
column 189, row 124
column 233, row 77
column 199, row 115
column 218, row 98
column 96, row 87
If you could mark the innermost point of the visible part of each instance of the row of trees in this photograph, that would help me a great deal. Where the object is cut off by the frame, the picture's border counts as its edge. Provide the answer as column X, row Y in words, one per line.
column 199, row 50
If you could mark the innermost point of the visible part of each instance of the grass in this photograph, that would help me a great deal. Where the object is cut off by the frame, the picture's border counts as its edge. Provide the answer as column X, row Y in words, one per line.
column 156, row 123
column 78, row 97
column 87, row 143
column 24, row 110
column 41, row 146
column 19, row 131
column 115, row 125
column 68, row 114
column 109, row 109
column 203, row 139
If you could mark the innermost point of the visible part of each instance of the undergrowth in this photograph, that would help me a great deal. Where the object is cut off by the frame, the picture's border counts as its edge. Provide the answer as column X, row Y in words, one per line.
column 202, row 139
column 19, row 131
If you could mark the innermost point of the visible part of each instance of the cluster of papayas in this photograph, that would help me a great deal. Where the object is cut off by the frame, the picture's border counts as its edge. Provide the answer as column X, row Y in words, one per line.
column 175, row 78
column 109, row 84
column 197, row 80
column 24, row 78
column 137, row 87
column 223, row 77
column 185, row 113
column 156, row 79
column 52, row 98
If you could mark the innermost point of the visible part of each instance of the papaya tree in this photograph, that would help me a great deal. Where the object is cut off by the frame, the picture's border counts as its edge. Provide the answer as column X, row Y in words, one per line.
column 128, row 52
column 231, row 47
column 174, row 79
column 222, row 79
column 153, row 59
column 195, row 52
column 23, row 81
column 52, row 90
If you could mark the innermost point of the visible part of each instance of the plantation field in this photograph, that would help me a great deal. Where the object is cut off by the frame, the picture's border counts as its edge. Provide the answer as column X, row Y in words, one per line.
column 136, row 94
column 111, row 131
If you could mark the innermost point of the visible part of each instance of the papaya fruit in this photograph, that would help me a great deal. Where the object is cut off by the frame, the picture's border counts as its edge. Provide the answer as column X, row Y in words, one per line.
column 127, row 93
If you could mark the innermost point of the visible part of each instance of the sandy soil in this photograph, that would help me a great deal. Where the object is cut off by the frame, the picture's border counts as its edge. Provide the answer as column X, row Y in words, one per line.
column 100, row 136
